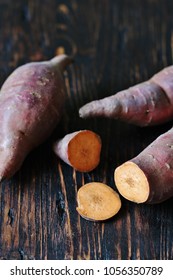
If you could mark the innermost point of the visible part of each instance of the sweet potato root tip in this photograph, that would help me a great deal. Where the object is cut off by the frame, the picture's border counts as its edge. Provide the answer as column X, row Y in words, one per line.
column 131, row 182
column 80, row 149
column 61, row 61
column 109, row 107
column 97, row 202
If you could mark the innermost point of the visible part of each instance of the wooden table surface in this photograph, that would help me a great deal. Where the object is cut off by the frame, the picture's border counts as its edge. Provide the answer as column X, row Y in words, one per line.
column 115, row 43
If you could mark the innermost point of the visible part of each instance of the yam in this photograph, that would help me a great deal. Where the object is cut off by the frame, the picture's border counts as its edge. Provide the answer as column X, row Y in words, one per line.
column 80, row 149
column 31, row 103
column 145, row 104
column 148, row 177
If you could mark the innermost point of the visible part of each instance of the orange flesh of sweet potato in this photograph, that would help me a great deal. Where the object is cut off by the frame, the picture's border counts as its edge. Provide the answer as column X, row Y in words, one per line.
column 80, row 149
column 132, row 182
column 145, row 104
column 149, row 176
column 97, row 202
column 31, row 101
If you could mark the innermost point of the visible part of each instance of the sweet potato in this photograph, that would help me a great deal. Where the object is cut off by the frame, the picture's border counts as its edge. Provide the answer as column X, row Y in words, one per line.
column 80, row 149
column 145, row 104
column 97, row 202
column 149, row 176
column 31, row 101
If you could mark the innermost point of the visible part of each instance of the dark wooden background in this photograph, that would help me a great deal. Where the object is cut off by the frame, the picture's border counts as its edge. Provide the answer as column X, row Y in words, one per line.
column 115, row 44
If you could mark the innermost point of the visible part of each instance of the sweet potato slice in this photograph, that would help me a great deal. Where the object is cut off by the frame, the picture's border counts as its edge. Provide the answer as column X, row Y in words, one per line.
column 80, row 149
column 97, row 201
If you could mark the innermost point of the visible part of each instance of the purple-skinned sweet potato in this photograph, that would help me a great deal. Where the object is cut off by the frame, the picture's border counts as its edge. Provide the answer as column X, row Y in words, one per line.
column 31, row 103
column 148, row 177
column 80, row 149
column 145, row 104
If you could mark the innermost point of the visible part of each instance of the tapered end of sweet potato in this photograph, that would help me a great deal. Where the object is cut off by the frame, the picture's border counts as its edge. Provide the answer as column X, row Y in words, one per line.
column 10, row 162
column 131, row 182
column 108, row 107
column 90, row 109
column 61, row 61
column 84, row 151
column 97, row 202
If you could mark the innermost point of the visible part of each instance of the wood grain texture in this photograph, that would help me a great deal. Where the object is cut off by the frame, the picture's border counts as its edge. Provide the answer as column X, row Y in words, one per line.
column 115, row 44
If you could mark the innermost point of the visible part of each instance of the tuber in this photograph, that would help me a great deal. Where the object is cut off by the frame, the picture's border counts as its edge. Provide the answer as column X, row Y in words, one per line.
column 149, row 176
column 145, row 104
column 97, row 201
column 80, row 149
column 31, row 102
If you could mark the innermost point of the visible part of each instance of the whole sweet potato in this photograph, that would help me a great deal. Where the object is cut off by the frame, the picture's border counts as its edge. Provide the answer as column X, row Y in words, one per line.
column 146, row 104
column 31, row 102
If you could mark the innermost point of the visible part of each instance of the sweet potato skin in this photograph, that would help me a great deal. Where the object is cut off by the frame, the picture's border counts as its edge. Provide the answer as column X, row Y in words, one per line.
column 145, row 104
column 31, row 101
